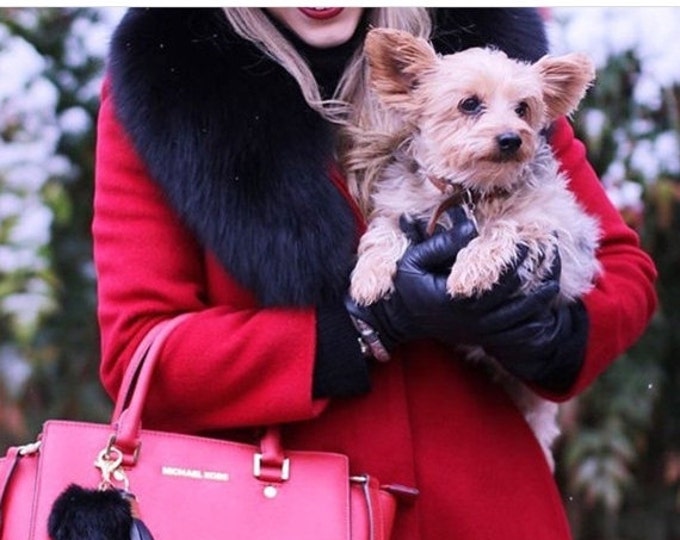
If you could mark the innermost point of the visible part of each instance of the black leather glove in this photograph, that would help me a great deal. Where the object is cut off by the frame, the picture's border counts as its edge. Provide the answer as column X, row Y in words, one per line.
column 419, row 306
column 547, row 343
column 532, row 337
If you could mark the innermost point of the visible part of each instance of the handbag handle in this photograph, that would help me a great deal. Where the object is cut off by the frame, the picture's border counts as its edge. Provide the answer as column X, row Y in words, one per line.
column 127, row 415
column 158, row 335
column 270, row 464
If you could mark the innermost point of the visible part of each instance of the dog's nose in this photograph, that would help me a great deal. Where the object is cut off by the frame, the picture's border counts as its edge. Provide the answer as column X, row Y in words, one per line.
column 508, row 143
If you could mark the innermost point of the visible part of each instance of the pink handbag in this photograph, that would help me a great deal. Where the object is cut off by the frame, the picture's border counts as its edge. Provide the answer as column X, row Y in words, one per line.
column 188, row 486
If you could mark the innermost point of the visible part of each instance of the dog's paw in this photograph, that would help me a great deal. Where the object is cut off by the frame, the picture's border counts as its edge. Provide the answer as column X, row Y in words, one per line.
column 475, row 272
column 370, row 282
column 364, row 294
column 467, row 283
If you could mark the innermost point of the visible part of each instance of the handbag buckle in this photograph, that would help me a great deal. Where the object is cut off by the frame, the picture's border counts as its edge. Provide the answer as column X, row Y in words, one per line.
column 127, row 461
column 258, row 473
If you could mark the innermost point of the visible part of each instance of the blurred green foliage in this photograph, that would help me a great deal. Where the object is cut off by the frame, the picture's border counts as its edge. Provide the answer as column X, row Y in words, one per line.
column 59, row 343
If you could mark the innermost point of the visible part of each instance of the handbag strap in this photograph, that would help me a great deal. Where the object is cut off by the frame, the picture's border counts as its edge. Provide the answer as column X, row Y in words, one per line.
column 270, row 465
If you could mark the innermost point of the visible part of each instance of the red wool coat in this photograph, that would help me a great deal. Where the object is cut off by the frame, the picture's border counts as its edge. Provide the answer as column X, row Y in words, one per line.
column 430, row 421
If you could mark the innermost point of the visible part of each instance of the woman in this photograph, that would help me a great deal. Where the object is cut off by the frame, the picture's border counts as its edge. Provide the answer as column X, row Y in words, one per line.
column 218, row 193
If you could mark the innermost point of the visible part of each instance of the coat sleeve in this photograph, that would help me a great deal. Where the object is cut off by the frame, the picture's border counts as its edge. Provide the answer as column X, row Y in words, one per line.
column 226, row 366
column 624, row 298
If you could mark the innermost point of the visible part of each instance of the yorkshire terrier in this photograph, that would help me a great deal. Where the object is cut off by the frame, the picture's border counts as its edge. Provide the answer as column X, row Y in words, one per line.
column 475, row 124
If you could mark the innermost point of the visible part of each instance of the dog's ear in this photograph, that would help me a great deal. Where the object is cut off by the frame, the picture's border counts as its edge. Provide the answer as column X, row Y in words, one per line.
column 565, row 82
column 397, row 60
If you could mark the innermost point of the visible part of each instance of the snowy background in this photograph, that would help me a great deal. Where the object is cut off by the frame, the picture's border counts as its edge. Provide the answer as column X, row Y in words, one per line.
column 606, row 32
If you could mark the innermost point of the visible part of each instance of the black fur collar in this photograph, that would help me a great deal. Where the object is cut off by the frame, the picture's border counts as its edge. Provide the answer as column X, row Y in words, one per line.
column 239, row 154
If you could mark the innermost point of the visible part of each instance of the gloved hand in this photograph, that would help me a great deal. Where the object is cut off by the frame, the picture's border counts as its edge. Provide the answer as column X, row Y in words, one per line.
column 532, row 337
column 419, row 306
column 547, row 343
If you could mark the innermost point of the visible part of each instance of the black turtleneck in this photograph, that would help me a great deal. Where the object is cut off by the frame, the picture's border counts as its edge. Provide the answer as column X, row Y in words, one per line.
column 326, row 64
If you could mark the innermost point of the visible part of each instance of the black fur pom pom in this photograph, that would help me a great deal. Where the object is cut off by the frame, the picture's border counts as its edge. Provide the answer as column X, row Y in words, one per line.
column 86, row 514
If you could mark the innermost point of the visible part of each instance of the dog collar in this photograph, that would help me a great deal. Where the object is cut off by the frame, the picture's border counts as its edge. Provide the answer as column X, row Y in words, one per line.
column 457, row 195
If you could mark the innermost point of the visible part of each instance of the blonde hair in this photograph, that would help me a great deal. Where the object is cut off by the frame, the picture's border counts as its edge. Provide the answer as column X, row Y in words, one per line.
column 352, row 106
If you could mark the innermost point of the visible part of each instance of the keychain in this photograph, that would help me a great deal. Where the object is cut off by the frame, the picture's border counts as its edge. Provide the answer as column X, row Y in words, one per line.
column 109, row 512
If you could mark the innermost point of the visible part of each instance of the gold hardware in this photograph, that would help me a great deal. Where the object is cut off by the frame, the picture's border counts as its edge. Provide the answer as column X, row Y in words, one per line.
column 257, row 467
column 112, row 444
column 109, row 462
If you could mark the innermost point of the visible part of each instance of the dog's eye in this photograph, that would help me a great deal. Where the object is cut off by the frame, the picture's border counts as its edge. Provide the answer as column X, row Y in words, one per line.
column 522, row 109
column 471, row 105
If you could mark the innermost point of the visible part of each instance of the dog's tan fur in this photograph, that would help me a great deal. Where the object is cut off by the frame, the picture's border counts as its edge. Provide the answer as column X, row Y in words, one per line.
column 455, row 108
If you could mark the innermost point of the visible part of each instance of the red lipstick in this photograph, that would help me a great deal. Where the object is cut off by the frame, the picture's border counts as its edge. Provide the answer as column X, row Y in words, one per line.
column 321, row 14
